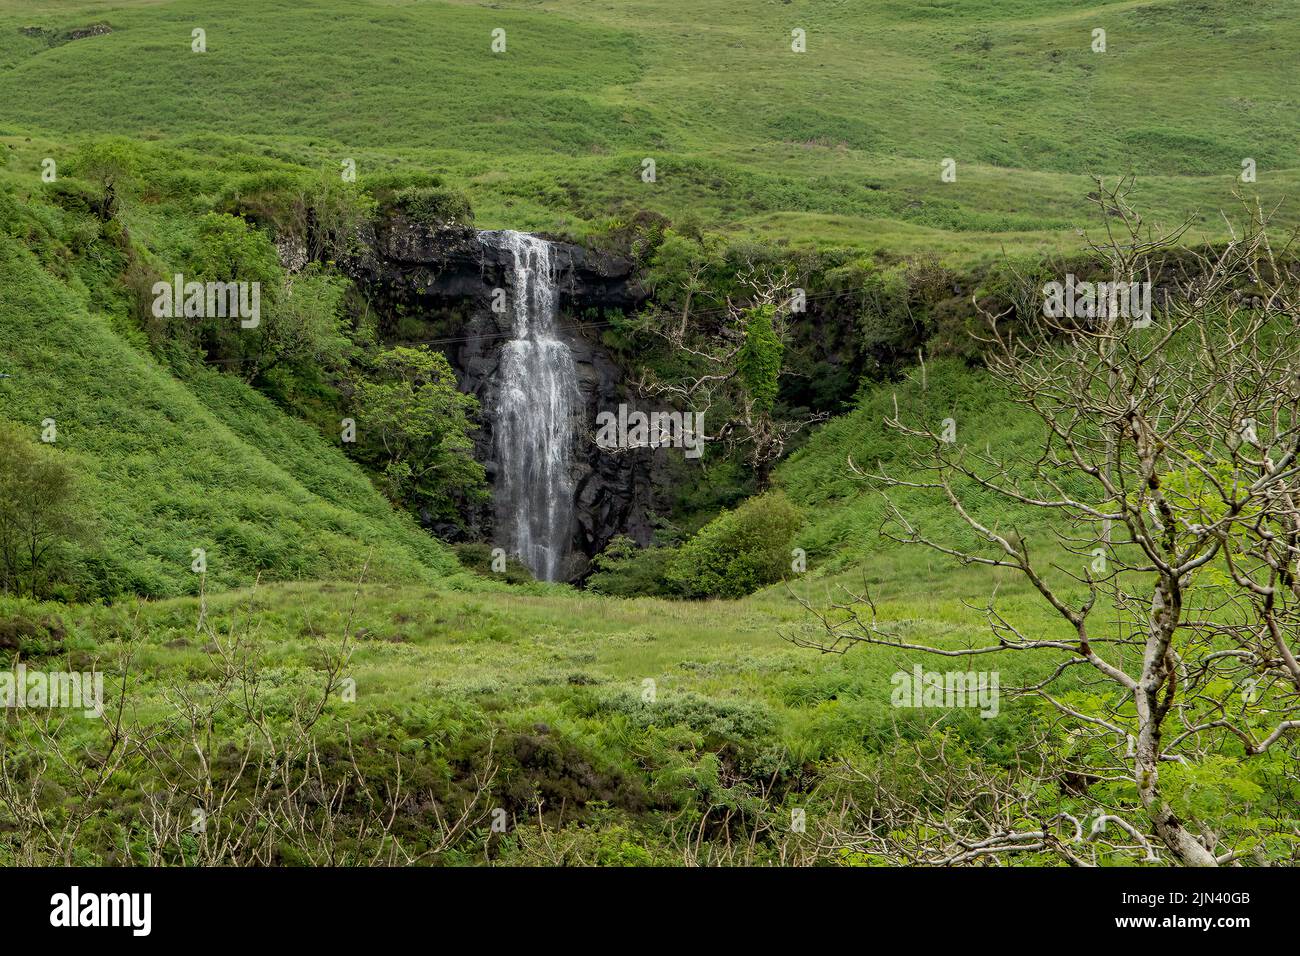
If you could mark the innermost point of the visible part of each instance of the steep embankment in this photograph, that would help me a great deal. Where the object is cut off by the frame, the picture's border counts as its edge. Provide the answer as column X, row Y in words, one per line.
column 166, row 466
column 846, row 512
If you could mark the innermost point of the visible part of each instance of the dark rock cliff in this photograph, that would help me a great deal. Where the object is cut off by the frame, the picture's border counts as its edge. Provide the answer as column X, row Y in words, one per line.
column 437, row 285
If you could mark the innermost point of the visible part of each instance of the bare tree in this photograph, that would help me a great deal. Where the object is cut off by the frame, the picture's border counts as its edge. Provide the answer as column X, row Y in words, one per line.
column 714, row 350
column 929, row 803
column 1169, row 469
column 232, row 779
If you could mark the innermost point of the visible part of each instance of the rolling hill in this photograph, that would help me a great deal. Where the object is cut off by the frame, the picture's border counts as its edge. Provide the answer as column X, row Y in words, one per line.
column 611, row 731
column 839, row 145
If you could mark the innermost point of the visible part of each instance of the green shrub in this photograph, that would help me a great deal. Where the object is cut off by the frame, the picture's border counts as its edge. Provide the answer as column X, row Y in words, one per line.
column 111, row 165
column 739, row 551
column 741, row 723
column 317, row 208
column 39, row 516
column 625, row 570
column 421, row 196
column 477, row 556
column 73, row 195
column 414, row 428
column 30, row 636
column 435, row 206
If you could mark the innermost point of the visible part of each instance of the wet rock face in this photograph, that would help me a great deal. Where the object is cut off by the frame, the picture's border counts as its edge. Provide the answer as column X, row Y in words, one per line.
column 437, row 286
column 450, row 264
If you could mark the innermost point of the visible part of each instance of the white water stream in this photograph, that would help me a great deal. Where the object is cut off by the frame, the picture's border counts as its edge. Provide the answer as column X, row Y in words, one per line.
column 535, row 400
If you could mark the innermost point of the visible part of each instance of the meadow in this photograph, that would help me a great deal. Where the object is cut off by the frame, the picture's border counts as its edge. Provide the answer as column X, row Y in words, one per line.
column 614, row 731
column 841, row 145
column 618, row 731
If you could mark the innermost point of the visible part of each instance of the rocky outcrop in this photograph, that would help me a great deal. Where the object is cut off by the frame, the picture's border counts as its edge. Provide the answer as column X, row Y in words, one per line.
column 438, row 286
column 452, row 264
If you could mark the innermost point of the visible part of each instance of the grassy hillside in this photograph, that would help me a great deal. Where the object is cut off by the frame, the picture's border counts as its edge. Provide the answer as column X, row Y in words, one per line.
column 840, row 145
column 547, row 687
column 167, row 466
column 612, row 731
column 848, row 517
column 548, row 690
column 846, row 511
column 618, row 732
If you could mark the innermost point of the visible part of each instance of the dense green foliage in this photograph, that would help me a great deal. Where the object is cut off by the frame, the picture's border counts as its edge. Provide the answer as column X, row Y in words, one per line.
column 435, row 205
column 492, row 563
column 739, row 551
column 759, row 364
column 624, row 570
column 170, row 460
column 39, row 520
column 415, row 423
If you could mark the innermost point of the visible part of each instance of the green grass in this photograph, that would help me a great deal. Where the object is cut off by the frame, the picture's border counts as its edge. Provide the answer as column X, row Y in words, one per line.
column 444, row 677
column 846, row 511
column 446, row 674
column 166, row 466
column 522, row 657
column 837, row 146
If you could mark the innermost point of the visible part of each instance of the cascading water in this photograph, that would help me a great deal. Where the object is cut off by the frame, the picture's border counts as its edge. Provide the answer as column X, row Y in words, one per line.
column 535, row 399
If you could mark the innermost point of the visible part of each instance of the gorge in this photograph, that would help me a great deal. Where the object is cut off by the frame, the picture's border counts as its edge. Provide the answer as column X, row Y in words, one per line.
column 518, row 317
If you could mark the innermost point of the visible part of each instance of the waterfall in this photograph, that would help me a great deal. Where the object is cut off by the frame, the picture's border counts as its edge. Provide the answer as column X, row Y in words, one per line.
column 536, row 395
